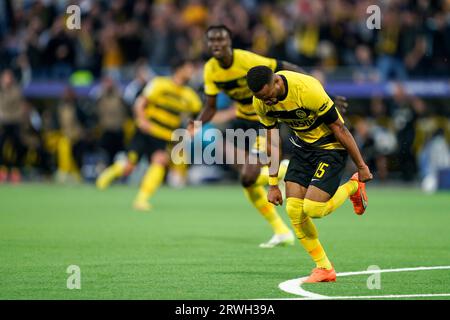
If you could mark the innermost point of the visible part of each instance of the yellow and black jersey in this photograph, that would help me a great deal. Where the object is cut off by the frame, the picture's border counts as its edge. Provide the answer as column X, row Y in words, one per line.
column 233, row 82
column 306, row 108
column 167, row 102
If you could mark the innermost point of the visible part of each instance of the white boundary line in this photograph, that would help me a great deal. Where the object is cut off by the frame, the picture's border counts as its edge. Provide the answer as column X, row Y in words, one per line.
column 294, row 286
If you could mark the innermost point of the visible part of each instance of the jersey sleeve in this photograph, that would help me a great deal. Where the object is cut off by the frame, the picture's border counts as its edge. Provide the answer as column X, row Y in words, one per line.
column 265, row 120
column 314, row 98
column 210, row 87
column 151, row 89
column 195, row 104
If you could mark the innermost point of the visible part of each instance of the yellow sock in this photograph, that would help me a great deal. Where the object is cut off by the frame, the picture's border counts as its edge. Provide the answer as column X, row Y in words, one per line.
column 263, row 178
column 114, row 171
column 153, row 178
column 307, row 233
column 258, row 197
column 315, row 209
column 66, row 163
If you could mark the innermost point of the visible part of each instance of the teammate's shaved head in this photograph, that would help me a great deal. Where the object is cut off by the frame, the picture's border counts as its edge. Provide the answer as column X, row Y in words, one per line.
column 258, row 77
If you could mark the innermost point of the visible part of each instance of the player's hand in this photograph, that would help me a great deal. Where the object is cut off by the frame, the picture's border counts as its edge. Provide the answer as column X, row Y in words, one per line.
column 144, row 125
column 364, row 174
column 341, row 103
column 191, row 128
column 274, row 195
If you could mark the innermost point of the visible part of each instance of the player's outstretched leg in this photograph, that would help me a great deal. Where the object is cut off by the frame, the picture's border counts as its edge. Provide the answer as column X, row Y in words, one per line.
column 152, row 180
column 308, row 236
column 113, row 172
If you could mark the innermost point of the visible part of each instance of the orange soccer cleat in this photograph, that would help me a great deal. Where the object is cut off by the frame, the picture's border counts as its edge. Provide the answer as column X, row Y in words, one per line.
column 359, row 198
column 321, row 275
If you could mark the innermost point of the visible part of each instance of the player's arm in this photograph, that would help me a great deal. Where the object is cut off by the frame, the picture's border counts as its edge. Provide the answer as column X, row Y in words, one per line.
column 210, row 109
column 224, row 115
column 284, row 65
column 211, row 92
column 206, row 114
column 274, row 154
column 344, row 136
column 139, row 114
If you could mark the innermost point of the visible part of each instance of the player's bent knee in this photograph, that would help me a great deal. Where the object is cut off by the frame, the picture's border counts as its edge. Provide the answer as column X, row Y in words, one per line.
column 294, row 209
column 314, row 209
column 160, row 157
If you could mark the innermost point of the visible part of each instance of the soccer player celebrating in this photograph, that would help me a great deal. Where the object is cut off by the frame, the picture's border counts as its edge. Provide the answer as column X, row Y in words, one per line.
column 226, row 72
column 157, row 113
column 322, row 143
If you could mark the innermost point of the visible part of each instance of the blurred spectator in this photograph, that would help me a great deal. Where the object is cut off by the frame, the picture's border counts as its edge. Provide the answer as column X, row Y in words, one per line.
column 414, row 39
column 60, row 51
column 12, row 118
column 111, row 113
column 434, row 157
column 143, row 75
column 406, row 111
column 365, row 70
column 389, row 62
column 376, row 143
column 5, row 16
column 162, row 34
column 439, row 38
column 365, row 142
column 113, row 56
column 37, row 161
column 87, row 56
column 71, row 146
column 194, row 13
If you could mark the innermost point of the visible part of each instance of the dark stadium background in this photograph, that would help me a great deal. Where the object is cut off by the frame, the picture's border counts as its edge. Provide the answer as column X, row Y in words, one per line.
column 396, row 78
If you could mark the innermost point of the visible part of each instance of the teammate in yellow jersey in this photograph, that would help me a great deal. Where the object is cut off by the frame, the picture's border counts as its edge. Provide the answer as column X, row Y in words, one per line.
column 158, row 113
column 226, row 72
column 322, row 143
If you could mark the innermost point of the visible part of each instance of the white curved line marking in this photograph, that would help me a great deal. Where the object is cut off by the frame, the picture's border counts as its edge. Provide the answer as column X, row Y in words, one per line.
column 294, row 286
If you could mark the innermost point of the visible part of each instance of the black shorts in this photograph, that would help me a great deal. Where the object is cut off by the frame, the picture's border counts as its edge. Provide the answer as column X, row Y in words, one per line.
column 112, row 143
column 144, row 145
column 250, row 143
column 317, row 167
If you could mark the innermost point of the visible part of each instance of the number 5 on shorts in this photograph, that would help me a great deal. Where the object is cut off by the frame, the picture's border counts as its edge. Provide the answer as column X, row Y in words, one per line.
column 321, row 170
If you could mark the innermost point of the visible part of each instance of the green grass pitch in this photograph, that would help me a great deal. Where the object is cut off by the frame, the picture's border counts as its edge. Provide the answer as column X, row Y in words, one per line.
column 202, row 243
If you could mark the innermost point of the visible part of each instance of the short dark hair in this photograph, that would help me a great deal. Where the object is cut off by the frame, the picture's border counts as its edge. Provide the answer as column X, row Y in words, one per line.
column 178, row 62
column 220, row 27
column 258, row 77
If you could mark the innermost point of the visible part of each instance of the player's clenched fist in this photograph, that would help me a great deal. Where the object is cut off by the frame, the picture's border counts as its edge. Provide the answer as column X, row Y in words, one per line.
column 274, row 196
column 364, row 174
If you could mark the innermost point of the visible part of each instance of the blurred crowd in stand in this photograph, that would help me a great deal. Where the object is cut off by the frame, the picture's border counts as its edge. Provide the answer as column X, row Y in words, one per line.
column 414, row 40
column 122, row 44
